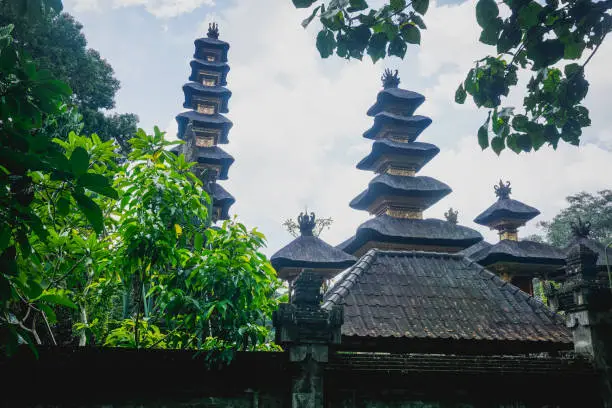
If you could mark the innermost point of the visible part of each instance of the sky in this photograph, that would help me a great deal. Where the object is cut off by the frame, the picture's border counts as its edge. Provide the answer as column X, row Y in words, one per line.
column 299, row 119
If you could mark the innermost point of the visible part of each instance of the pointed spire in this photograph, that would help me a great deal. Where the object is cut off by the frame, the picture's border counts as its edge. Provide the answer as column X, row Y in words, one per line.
column 213, row 31
column 307, row 224
column 451, row 216
column 390, row 79
column 503, row 191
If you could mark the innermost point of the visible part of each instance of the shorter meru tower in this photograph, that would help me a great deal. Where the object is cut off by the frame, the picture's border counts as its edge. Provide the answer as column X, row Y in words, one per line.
column 204, row 126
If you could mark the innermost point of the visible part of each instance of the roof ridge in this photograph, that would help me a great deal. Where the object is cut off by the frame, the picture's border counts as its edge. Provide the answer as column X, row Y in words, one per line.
column 340, row 288
column 427, row 254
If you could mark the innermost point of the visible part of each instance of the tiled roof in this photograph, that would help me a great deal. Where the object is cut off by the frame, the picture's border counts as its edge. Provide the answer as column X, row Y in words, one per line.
column 433, row 296
column 468, row 252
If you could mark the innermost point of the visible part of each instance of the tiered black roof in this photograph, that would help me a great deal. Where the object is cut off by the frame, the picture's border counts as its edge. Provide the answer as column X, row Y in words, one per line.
column 208, row 76
column 527, row 252
column 222, row 199
column 414, row 125
column 427, row 190
column 408, row 300
column 408, row 232
column 214, row 155
column 514, row 258
column 219, row 67
column 421, row 152
column 396, row 196
column 192, row 89
column 309, row 251
column 506, row 208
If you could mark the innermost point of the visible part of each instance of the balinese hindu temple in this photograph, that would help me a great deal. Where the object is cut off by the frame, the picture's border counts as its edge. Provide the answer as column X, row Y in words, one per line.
column 407, row 312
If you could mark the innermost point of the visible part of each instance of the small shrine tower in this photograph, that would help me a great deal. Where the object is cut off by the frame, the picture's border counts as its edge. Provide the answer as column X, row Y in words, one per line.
column 204, row 126
column 397, row 197
column 309, row 252
column 517, row 262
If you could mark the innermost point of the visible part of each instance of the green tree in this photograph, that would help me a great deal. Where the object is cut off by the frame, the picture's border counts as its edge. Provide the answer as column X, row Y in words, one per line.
column 553, row 39
column 56, row 41
column 596, row 209
column 35, row 174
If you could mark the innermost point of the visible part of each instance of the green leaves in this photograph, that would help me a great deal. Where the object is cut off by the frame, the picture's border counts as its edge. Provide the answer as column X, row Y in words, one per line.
column 411, row 34
column 460, row 94
column 326, row 43
column 398, row 47
column 99, row 184
column 528, row 15
column 535, row 37
column 420, row 6
column 303, row 3
column 352, row 27
column 377, row 46
column 91, row 210
column 357, row 5
column 79, row 161
column 483, row 136
column 486, row 12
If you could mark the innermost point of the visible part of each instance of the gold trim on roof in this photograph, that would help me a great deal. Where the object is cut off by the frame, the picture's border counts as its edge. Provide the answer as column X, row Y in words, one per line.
column 400, row 171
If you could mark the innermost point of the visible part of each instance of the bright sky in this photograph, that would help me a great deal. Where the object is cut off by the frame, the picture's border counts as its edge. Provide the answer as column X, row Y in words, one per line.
column 298, row 119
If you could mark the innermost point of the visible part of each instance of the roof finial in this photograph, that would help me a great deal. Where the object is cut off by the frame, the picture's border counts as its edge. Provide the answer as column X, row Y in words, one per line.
column 503, row 191
column 213, row 30
column 307, row 224
column 451, row 216
column 390, row 79
column 580, row 228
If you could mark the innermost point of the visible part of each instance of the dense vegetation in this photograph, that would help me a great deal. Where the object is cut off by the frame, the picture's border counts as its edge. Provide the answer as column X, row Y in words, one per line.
column 56, row 42
column 554, row 40
column 96, row 250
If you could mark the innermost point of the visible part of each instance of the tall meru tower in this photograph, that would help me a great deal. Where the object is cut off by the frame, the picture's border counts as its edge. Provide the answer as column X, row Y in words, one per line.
column 204, row 126
column 397, row 196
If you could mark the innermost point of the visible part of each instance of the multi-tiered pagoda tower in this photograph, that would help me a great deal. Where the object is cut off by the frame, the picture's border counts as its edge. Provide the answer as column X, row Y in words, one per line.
column 204, row 127
column 397, row 197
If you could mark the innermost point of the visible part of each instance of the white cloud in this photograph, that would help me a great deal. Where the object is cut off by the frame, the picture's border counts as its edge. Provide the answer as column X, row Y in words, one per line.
column 159, row 8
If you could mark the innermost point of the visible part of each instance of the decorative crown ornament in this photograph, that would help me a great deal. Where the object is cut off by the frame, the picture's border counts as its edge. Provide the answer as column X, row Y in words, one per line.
column 213, row 31
column 451, row 216
column 390, row 79
column 580, row 228
column 307, row 223
column 503, row 190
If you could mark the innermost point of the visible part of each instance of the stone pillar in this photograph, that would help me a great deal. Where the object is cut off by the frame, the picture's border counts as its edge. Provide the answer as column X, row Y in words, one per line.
column 306, row 331
column 588, row 307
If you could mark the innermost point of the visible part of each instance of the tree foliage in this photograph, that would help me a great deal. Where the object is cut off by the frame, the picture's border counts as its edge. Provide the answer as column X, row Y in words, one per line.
column 352, row 28
column 595, row 209
column 554, row 40
column 56, row 41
